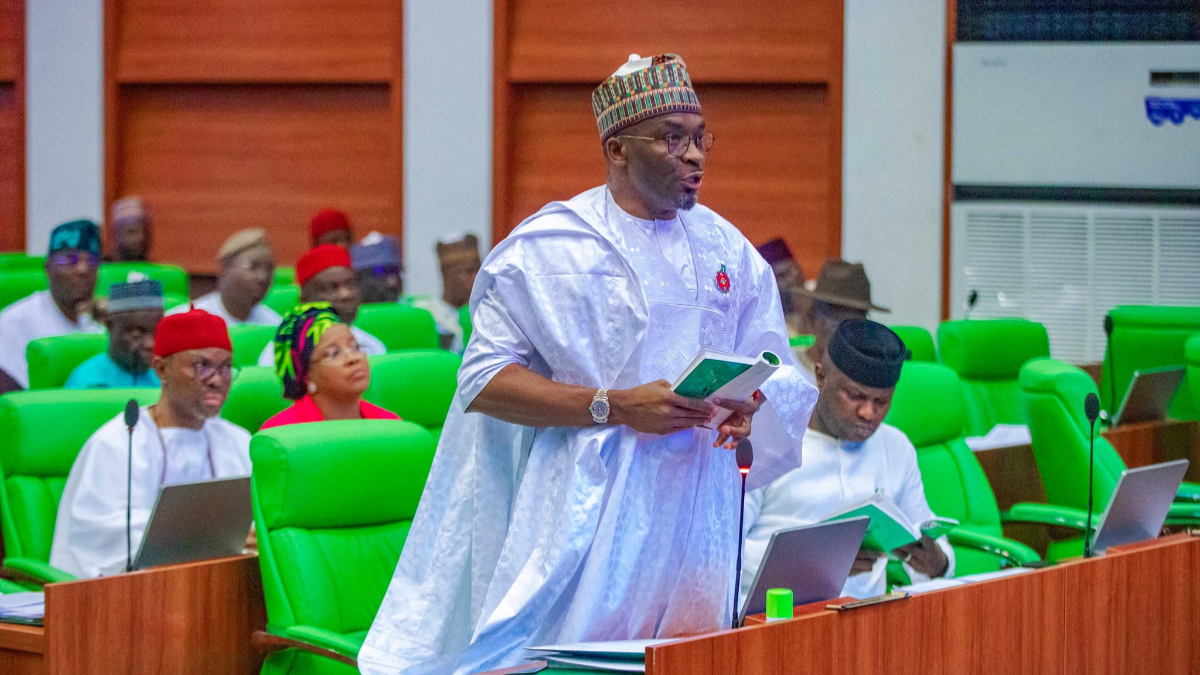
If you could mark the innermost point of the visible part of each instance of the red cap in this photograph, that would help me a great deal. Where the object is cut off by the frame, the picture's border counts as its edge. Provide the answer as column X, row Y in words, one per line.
column 320, row 259
column 328, row 220
column 196, row 329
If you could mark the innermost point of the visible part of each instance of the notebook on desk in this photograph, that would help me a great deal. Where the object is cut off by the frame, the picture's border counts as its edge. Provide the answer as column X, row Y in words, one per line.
column 1139, row 504
column 1149, row 395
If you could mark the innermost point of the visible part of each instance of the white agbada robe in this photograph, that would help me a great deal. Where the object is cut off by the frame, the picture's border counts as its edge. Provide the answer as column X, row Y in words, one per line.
column 837, row 475
column 28, row 319
column 370, row 345
column 260, row 314
column 445, row 316
column 527, row 536
column 89, row 532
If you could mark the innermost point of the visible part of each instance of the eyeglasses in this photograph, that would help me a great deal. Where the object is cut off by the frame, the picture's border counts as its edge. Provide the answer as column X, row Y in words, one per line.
column 337, row 355
column 204, row 370
column 678, row 144
column 73, row 259
column 259, row 267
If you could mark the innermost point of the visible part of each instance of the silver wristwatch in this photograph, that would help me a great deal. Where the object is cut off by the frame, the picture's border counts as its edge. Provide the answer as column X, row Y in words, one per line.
column 599, row 407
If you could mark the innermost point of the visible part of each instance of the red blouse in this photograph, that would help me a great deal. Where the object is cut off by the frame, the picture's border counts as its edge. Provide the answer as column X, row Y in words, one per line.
column 305, row 410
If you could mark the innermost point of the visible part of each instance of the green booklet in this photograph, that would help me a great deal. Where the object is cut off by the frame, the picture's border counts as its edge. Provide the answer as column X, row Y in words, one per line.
column 890, row 528
column 717, row 375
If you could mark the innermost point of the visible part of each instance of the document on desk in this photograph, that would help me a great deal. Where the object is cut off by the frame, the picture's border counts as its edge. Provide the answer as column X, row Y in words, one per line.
column 27, row 608
column 939, row 584
column 1000, row 436
column 625, row 656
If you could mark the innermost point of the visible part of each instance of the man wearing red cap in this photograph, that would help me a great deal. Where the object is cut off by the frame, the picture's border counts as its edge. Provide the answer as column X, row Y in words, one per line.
column 325, row 275
column 331, row 226
column 180, row 439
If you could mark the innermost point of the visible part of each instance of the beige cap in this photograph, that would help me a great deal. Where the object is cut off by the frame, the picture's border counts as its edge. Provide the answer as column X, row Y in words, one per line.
column 243, row 240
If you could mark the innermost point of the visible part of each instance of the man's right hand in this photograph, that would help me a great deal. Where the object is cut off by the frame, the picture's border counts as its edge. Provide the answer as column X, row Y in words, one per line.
column 865, row 561
column 654, row 409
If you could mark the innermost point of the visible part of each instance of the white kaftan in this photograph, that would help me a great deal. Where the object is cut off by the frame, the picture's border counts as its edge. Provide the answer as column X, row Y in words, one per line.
column 260, row 314
column 89, row 533
column 28, row 319
column 837, row 475
column 527, row 536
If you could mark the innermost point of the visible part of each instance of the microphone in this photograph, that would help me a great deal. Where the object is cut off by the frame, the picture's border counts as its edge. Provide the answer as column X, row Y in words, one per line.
column 1091, row 408
column 744, row 456
column 1112, row 374
column 132, row 412
column 972, row 299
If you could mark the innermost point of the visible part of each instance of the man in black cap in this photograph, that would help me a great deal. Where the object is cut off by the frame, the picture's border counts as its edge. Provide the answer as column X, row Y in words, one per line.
column 66, row 307
column 842, row 292
column 134, row 310
column 849, row 457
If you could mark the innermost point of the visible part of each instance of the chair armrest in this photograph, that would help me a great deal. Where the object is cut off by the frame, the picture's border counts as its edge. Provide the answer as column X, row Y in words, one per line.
column 1188, row 492
column 267, row 642
column 1183, row 513
column 35, row 570
column 1048, row 514
column 325, row 639
column 1012, row 551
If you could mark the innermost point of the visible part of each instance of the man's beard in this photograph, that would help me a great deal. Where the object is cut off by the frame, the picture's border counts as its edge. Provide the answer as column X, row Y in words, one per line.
column 686, row 201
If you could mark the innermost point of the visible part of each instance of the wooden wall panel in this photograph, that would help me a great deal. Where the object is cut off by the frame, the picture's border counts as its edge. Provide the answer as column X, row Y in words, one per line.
column 227, row 114
column 12, row 125
column 213, row 159
column 768, row 75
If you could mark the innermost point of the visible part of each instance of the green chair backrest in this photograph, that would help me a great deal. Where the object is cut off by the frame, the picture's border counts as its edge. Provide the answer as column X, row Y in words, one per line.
column 399, row 326
column 254, row 397
column 1191, row 353
column 21, row 283
column 43, row 432
column 285, row 276
column 918, row 341
column 282, row 299
column 248, row 342
column 929, row 407
column 464, row 322
column 417, row 385
column 1149, row 337
column 53, row 359
column 174, row 279
column 333, row 503
column 171, row 301
column 1053, row 394
column 988, row 355
column 16, row 260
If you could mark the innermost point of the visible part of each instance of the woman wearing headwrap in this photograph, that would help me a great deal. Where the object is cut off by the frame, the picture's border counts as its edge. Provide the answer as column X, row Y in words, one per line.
column 323, row 369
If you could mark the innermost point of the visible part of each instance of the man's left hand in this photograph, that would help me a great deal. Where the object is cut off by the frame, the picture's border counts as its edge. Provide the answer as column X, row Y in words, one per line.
column 737, row 426
column 925, row 556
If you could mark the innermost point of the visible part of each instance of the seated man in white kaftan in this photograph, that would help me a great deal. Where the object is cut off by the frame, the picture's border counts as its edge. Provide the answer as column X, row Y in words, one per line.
column 180, row 439
column 849, row 454
column 573, row 495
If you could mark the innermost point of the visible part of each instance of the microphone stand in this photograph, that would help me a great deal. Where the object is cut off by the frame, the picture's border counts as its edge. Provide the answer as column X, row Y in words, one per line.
column 737, row 574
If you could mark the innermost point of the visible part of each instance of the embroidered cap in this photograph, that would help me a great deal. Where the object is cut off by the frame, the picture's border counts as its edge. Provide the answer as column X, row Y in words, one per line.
column 81, row 235
column 641, row 89
column 143, row 294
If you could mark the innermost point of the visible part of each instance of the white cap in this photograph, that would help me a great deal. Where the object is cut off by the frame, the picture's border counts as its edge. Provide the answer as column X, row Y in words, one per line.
column 634, row 64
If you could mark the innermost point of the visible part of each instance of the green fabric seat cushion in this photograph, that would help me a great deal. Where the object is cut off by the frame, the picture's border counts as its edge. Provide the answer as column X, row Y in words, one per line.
column 174, row 279
column 464, row 322
column 918, row 341
column 254, row 397
column 399, row 326
column 249, row 340
column 1191, row 352
column 1150, row 337
column 285, row 276
column 417, row 385
column 53, row 359
column 988, row 355
column 21, row 283
column 18, row 260
column 282, row 298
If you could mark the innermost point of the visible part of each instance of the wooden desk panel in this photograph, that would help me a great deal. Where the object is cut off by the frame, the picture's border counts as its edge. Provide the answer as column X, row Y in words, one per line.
column 1155, row 442
column 21, row 649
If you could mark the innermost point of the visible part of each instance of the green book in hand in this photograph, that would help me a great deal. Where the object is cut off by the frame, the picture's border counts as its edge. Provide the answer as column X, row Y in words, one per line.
column 889, row 528
column 714, row 375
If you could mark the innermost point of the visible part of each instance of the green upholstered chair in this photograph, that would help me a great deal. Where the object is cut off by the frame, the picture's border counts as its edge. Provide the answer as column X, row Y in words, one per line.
column 399, row 326
column 1191, row 353
column 248, row 342
column 43, row 432
column 174, row 279
column 282, row 299
column 918, row 341
column 53, row 359
column 333, row 504
column 285, row 276
column 171, row 301
column 1052, row 394
column 21, row 283
column 801, row 341
column 17, row 260
column 988, row 355
column 464, row 322
column 417, row 385
column 255, row 396
column 1149, row 337
column 929, row 408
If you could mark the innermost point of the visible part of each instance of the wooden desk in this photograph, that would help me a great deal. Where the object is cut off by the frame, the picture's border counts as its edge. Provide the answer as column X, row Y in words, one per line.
column 194, row 618
column 1132, row 611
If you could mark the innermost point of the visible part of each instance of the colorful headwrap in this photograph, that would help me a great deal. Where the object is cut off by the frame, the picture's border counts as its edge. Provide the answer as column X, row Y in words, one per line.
column 295, row 341
column 641, row 89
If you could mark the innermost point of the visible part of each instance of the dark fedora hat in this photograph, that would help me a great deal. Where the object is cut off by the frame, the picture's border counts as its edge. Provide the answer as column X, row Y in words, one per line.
column 844, row 284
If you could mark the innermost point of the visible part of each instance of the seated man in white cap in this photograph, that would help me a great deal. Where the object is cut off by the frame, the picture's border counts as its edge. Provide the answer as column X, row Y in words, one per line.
column 130, row 222
column 849, row 455
column 842, row 292
column 180, row 439
column 134, row 310
column 246, row 274
column 458, row 257
column 376, row 261
column 66, row 307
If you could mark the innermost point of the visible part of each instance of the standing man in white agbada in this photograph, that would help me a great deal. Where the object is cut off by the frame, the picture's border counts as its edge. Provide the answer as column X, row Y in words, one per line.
column 573, row 495
column 180, row 439
column 849, row 455
column 66, row 307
